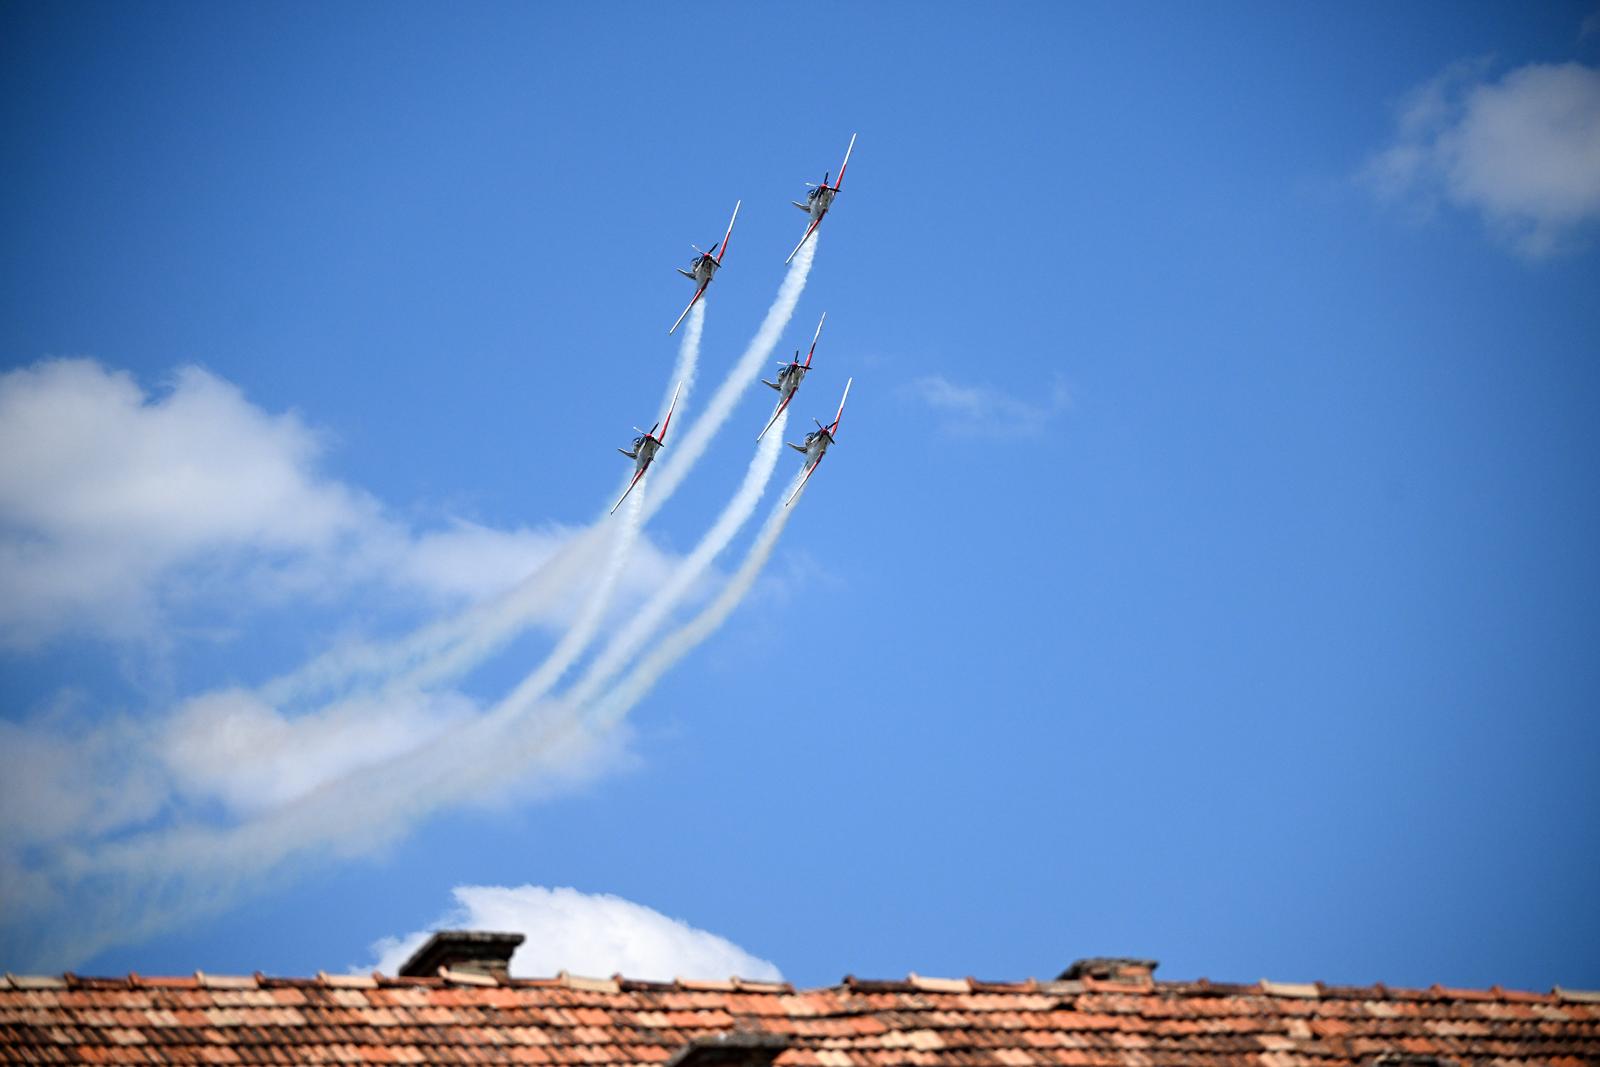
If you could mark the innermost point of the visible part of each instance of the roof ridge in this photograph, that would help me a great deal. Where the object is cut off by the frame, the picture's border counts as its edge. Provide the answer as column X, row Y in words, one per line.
column 928, row 984
column 913, row 982
column 228, row 981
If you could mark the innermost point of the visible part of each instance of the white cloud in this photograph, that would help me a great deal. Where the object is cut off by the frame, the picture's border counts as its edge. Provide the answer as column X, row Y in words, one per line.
column 103, row 489
column 587, row 934
column 119, row 508
column 982, row 411
column 115, row 505
column 1523, row 152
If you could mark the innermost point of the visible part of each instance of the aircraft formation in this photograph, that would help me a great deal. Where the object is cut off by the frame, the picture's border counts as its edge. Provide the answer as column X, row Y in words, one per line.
column 702, row 269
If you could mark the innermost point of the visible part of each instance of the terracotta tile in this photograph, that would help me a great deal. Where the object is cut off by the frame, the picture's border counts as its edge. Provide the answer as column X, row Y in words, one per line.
column 937, row 1022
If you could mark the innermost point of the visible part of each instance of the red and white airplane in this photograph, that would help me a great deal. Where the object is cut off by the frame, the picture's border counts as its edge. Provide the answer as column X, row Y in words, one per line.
column 820, row 198
column 704, row 266
column 790, row 377
column 817, row 442
column 644, row 448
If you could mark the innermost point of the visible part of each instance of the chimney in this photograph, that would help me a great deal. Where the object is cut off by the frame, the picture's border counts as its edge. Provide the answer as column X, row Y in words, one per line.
column 737, row 1048
column 1112, row 969
column 469, row 951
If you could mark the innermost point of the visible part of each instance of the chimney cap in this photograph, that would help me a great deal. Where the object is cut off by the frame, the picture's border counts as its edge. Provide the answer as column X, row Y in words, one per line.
column 737, row 1048
column 1112, row 968
column 478, row 951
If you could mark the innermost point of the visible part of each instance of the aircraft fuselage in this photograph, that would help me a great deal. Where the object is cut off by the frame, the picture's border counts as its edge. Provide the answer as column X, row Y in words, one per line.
column 789, row 379
column 819, row 200
column 817, row 442
column 702, row 270
column 643, row 451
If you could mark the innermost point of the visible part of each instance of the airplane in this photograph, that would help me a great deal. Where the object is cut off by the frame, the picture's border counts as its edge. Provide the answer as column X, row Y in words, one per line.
column 644, row 448
column 817, row 442
column 820, row 198
column 790, row 377
column 704, row 267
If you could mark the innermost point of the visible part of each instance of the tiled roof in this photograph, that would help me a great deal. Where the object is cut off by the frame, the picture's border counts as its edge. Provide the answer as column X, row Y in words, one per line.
column 461, row 1018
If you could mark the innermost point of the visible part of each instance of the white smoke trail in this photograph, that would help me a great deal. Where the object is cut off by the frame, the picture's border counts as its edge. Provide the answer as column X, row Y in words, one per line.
column 577, row 638
column 639, row 681
column 649, row 618
column 145, row 882
column 688, row 355
column 431, row 650
column 448, row 648
column 745, row 372
column 142, row 882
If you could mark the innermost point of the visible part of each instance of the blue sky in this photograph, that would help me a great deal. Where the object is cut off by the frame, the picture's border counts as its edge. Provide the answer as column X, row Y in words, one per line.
column 1205, row 570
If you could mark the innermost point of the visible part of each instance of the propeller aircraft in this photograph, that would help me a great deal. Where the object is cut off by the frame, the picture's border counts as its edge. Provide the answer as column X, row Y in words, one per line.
column 816, row 444
column 790, row 377
column 705, row 266
column 820, row 198
column 644, row 448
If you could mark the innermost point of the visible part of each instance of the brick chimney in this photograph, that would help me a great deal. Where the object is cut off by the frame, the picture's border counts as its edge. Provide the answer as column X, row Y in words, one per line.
column 468, row 951
column 1112, row 969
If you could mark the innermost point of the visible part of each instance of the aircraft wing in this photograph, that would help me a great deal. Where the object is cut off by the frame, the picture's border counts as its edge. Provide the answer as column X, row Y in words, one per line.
column 835, row 427
column 781, row 405
column 814, row 340
column 840, row 179
column 809, row 472
column 698, row 293
column 723, row 248
column 673, row 406
column 809, row 231
column 636, row 476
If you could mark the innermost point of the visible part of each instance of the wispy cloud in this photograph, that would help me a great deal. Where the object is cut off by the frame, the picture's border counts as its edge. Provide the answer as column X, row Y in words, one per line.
column 110, row 499
column 983, row 411
column 1521, row 151
column 119, row 506
column 587, row 934
column 112, row 829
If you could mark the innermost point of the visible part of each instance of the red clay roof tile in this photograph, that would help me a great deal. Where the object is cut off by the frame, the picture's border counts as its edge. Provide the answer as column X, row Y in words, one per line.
column 940, row 1022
